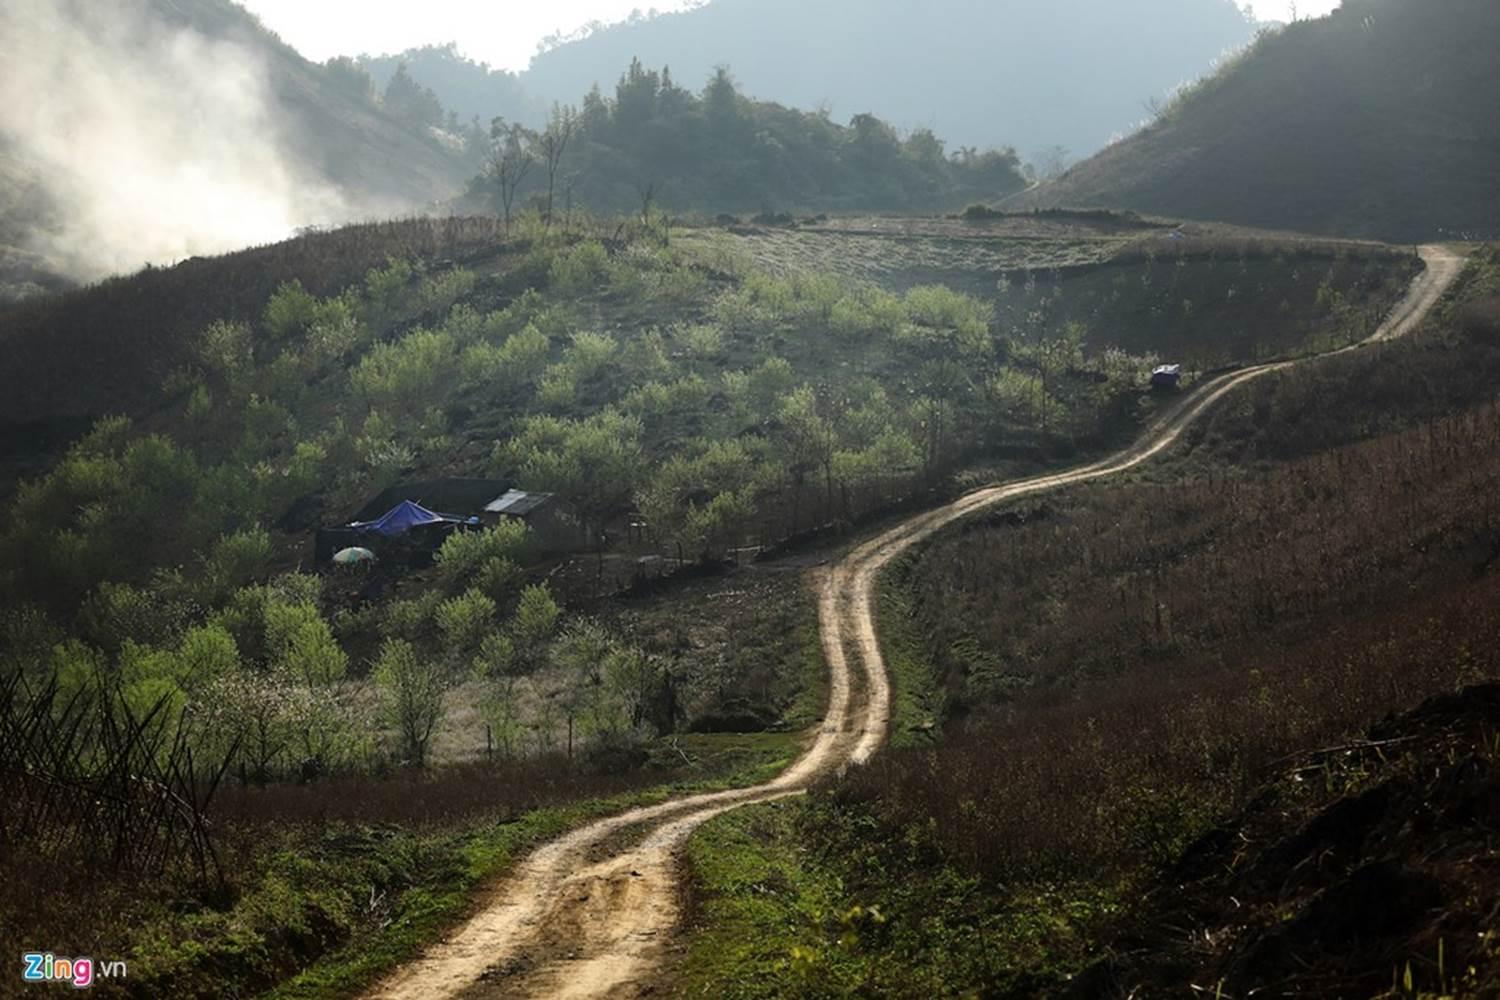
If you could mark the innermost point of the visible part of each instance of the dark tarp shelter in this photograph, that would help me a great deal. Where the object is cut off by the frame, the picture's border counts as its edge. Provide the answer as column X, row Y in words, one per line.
column 405, row 520
column 402, row 518
column 465, row 496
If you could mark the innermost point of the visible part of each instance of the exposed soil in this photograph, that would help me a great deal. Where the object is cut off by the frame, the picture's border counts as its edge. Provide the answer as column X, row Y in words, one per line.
column 1341, row 873
column 590, row 914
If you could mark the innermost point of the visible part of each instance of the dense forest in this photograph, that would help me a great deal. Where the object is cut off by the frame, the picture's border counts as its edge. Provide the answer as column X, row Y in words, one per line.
column 1370, row 122
column 654, row 142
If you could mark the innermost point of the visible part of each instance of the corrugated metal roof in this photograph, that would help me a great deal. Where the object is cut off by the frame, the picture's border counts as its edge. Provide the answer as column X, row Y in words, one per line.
column 517, row 503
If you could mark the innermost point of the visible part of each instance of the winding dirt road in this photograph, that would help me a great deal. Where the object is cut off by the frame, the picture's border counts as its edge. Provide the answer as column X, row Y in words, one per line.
column 590, row 914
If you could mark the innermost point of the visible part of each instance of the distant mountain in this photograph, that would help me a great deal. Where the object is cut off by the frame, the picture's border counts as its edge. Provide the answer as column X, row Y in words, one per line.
column 150, row 130
column 1018, row 73
column 1380, row 120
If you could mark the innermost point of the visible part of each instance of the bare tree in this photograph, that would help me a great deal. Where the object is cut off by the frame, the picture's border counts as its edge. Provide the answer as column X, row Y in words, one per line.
column 1051, row 163
column 511, row 159
column 647, row 192
column 552, row 143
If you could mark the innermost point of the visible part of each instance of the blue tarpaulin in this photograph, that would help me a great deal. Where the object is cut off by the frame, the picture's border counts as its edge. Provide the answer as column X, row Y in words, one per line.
column 402, row 518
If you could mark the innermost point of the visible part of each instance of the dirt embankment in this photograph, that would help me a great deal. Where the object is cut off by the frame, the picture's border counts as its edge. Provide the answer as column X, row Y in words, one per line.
column 1339, row 877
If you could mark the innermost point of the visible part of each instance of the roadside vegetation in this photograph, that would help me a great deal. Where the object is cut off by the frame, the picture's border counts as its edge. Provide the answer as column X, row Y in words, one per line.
column 1127, row 674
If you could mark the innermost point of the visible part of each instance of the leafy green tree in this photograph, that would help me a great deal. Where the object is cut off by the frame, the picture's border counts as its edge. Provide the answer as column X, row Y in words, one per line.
column 405, row 374
column 595, row 463
column 228, row 350
column 387, row 290
column 236, row 560
column 412, row 103
column 533, row 624
column 579, row 655
column 412, row 691
column 410, row 618
column 291, row 311
column 302, row 644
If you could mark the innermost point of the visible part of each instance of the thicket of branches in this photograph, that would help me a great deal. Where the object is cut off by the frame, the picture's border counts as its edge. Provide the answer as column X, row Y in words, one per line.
column 90, row 781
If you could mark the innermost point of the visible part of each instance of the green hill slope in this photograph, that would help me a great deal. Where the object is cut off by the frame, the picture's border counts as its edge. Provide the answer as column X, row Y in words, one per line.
column 1379, row 120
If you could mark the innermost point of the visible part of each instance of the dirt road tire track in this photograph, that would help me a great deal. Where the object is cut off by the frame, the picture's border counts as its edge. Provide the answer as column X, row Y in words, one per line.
column 567, row 923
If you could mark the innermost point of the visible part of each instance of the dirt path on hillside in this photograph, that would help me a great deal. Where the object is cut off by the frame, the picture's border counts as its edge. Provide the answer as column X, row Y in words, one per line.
column 590, row 914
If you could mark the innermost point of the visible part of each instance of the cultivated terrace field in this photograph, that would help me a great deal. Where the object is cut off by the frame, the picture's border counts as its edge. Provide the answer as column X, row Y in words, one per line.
column 1150, row 737
column 249, row 775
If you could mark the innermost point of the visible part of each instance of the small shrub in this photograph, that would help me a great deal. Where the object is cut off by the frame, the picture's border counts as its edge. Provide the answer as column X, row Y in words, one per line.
column 466, row 554
column 580, row 270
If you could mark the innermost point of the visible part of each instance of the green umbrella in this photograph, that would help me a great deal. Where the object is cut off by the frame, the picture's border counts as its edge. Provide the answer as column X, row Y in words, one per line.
column 351, row 557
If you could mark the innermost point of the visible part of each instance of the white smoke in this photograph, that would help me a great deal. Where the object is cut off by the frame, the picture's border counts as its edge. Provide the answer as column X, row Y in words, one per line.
column 152, row 143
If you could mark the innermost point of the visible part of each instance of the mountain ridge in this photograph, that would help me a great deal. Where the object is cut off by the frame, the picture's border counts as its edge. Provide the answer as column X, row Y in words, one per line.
column 1371, row 122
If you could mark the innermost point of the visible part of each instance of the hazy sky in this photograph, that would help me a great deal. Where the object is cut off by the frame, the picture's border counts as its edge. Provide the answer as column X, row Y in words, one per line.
column 503, row 33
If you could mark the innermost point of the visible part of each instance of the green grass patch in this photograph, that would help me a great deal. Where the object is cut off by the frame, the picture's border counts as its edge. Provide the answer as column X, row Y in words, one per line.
column 916, row 699
column 759, row 900
column 807, row 898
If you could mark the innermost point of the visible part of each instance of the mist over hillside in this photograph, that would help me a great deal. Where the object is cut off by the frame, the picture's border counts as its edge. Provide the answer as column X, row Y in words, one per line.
column 1068, row 73
column 1379, row 120
column 466, row 88
column 149, row 131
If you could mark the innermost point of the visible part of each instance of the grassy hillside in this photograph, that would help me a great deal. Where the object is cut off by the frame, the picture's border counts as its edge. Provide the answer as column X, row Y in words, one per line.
column 1375, row 121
